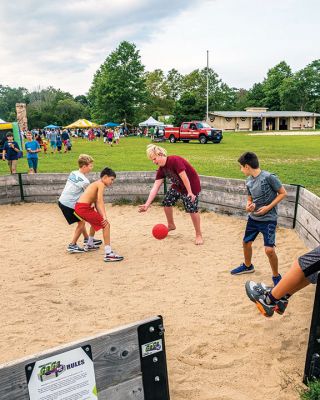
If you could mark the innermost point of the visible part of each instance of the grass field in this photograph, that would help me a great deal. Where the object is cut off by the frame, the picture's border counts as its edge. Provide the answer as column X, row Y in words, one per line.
column 295, row 159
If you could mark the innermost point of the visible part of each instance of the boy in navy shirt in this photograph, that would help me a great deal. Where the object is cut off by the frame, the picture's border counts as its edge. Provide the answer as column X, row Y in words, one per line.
column 33, row 148
column 10, row 153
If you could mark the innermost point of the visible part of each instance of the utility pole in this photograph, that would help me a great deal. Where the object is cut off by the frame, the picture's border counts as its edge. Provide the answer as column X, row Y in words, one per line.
column 207, row 85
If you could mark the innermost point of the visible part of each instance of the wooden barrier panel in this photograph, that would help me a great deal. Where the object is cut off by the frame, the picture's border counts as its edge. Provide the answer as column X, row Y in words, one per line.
column 308, row 218
column 229, row 196
column 129, row 363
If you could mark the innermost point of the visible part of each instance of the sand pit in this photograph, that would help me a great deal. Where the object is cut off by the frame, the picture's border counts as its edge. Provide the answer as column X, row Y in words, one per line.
column 218, row 346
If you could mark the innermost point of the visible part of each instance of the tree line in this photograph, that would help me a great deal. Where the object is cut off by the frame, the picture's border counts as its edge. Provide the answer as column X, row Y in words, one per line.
column 122, row 90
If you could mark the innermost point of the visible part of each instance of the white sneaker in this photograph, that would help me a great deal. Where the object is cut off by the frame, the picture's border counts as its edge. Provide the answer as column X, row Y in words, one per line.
column 111, row 257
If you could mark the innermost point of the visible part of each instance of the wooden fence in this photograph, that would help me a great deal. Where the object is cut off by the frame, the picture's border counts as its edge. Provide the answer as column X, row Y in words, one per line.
column 129, row 363
column 300, row 209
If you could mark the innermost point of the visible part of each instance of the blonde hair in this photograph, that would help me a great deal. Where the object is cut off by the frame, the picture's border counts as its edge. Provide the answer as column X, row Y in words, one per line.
column 84, row 159
column 152, row 149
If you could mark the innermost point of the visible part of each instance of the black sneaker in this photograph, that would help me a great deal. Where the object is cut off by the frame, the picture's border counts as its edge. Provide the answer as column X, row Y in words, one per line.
column 90, row 247
column 96, row 242
column 74, row 248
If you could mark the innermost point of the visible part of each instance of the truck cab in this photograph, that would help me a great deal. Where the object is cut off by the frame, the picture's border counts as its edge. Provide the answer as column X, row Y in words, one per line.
column 194, row 130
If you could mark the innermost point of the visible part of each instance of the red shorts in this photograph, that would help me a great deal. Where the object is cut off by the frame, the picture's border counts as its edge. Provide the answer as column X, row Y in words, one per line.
column 88, row 213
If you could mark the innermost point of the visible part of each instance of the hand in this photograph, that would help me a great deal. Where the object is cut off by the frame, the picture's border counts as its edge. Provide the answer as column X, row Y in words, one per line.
column 192, row 196
column 250, row 207
column 143, row 208
column 105, row 223
column 262, row 210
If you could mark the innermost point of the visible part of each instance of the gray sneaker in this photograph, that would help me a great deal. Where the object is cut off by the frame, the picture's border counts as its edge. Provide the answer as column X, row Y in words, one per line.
column 74, row 248
column 256, row 290
column 90, row 247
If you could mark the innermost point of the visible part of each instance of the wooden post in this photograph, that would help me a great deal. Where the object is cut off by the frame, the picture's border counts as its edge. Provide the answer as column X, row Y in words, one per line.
column 312, row 365
column 21, row 186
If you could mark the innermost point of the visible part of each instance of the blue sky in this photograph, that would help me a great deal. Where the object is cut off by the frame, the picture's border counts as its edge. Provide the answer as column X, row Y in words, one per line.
column 63, row 42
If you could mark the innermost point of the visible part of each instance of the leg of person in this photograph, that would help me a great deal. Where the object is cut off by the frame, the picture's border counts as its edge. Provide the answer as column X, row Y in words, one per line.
column 72, row 219
column 250, row 235
column 170, row 199
column 78, row 231
column 268, row 230
column 303, row 271
column 90, row 240
column 110, row 256
column 10, row 166
column 30, row 164
column 14, row 166
column 191, row 207
column 35, row 164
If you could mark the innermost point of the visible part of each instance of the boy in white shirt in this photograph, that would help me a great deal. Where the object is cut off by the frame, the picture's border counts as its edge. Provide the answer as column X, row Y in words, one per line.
column 76, row 184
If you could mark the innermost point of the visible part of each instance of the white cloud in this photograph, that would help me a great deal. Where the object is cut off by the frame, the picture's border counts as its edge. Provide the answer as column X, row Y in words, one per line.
column 62, row 43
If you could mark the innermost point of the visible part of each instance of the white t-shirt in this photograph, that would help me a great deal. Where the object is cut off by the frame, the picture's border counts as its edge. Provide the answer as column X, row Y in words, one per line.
column 76, row 184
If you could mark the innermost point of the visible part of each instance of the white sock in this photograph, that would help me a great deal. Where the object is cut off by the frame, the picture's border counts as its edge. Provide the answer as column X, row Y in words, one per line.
column 90, row 241
column 107, row 249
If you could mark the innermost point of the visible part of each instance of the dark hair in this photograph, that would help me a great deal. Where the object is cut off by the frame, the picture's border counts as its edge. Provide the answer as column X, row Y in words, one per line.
column 250, row 159
column 9, row 134
column 107, row 171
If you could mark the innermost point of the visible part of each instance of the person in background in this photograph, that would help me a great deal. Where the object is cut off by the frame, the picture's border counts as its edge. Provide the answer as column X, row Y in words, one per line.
column 10, row 153
column 33, row 148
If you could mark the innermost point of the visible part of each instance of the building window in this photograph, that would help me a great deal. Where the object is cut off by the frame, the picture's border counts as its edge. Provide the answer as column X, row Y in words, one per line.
column 228, row 119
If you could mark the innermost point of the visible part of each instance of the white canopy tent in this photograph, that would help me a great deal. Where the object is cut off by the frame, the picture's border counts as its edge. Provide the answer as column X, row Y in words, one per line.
column 2, row 121
column 151, row 122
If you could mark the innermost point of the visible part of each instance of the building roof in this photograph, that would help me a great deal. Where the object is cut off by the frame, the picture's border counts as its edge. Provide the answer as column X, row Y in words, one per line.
column 272, row 114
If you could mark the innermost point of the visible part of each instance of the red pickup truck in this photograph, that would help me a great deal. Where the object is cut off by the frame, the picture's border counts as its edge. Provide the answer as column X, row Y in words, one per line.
column 194, row 130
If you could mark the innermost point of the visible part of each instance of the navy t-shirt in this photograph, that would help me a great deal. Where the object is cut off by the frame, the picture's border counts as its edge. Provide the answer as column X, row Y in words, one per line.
column 11, row 154
column 174, row 166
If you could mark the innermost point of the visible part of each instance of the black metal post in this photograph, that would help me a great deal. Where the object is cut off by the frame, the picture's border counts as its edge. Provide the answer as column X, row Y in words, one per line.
column 296, row 203
column 21, row 186
column 312, row 366
column 165, row 186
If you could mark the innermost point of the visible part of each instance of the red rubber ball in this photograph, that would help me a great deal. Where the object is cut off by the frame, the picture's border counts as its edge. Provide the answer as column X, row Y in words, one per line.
column 160, row 231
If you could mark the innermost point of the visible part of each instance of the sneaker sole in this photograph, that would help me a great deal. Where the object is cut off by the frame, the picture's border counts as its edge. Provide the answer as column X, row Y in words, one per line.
column 113, row 260
column 92, row 249
column 75, row 251
column 262, row 310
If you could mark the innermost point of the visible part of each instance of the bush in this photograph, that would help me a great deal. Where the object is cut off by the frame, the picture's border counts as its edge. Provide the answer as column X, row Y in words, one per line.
column 312, row 392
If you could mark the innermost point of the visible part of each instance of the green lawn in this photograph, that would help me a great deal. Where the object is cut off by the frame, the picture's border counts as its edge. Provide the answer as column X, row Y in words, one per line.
column 293, row 159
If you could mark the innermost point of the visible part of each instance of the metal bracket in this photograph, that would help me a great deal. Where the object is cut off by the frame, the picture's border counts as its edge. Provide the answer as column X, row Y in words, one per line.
column 153, row 360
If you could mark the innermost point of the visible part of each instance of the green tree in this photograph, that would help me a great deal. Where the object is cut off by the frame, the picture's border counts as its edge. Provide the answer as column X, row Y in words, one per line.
column 272, row 85
column 118, row 89
column 8, row 99
column 189, row 107
column 173, row 87
column 255, row 96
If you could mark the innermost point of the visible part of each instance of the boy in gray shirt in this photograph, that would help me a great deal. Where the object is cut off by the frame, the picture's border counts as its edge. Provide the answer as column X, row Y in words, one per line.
column 265, row 191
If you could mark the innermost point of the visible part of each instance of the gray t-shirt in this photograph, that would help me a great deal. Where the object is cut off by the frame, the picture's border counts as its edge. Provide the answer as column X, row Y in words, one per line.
column 76, row 184
column 263, row 189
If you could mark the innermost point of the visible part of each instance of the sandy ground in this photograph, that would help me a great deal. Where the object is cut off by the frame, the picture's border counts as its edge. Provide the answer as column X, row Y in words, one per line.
column 218, row 346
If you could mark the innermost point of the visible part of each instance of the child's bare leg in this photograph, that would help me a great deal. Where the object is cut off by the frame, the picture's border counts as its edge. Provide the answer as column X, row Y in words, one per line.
column 291, row 282
column 169, row 215
column 106, row 235
column 195, row 217
column 78, row 231
column 273, row 260
column 247, row 253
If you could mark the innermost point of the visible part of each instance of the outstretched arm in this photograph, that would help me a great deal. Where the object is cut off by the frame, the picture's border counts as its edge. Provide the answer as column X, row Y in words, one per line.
column 153, row 192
